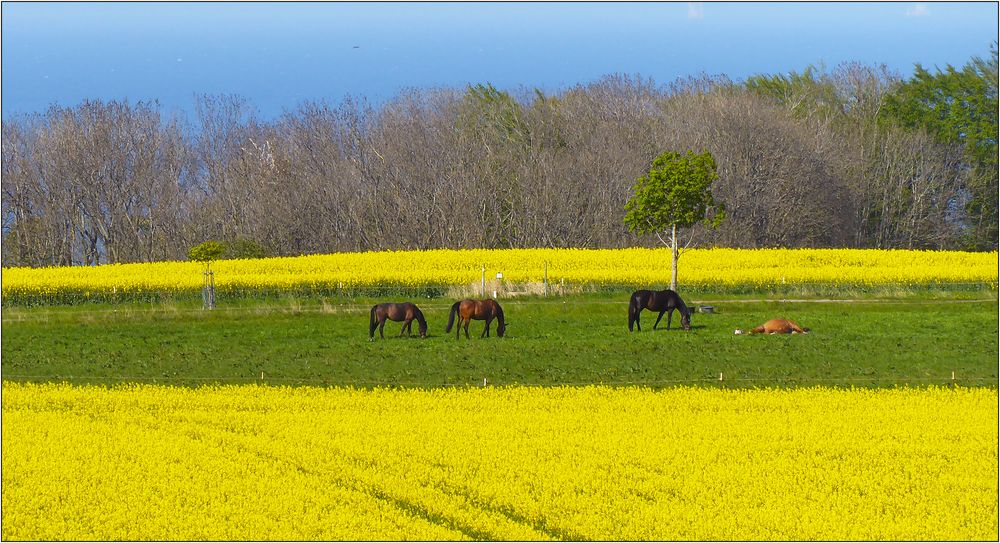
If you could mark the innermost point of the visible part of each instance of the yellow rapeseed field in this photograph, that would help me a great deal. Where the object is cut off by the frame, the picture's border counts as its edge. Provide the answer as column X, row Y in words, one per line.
column 255, row 462
column 699, row 267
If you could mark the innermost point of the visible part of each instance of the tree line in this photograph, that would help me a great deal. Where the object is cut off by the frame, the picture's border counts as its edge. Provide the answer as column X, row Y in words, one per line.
column 855, row 156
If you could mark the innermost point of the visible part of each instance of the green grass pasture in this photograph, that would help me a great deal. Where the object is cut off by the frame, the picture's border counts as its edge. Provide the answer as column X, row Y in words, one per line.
column 570, row 340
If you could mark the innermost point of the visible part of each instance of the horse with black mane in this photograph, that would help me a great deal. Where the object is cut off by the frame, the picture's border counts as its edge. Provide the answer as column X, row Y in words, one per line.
column 664, row 301
column 469, row 310
column 405, row 312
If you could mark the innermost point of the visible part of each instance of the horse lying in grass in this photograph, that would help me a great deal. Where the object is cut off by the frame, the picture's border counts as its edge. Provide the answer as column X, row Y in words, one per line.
column 777, row 326
column 405, row 312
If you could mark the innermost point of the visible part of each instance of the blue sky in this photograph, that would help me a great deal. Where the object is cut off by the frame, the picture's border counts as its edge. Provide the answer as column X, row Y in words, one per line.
column 279, row 54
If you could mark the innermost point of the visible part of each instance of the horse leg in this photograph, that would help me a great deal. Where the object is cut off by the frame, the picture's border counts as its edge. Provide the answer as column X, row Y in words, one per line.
column 406, row 324
column 486, row 329
column 381, row 326
column 467, row 323
column 638, row 326
column 660, row 316
column 670, row 315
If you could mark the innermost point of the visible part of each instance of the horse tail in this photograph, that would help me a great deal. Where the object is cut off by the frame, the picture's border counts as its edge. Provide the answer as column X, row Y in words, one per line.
column 371, row 322
column 451, row 316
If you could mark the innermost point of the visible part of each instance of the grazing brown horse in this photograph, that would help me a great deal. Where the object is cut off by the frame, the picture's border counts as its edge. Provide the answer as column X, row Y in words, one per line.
column 778, row 326
column 405, row 312
column 480, row 310
column 664, row 301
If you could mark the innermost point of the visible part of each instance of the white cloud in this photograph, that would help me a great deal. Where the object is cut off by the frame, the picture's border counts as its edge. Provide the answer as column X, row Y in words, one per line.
column 696, row 10
column 918, row 10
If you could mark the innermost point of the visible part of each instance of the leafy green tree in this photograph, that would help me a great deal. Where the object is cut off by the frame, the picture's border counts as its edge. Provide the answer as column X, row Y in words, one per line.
column 207, row 252
column 676, row 193
column 959, row 107
column 811, row 92
column 491, row 121
column 494, row 113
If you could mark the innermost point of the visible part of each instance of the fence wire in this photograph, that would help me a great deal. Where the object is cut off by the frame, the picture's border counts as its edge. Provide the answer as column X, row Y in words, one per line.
column 31, row 314
column 336, row 383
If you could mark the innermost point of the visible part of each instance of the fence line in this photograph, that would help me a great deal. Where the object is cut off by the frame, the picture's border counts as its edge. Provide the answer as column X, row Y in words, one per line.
column 431, row 384
column 505, row 288
column 40, row 313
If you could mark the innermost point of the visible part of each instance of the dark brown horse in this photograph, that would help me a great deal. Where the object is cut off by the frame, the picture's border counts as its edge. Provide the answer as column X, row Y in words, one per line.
column 405, row 312
column 664, row 301
column 480, row 310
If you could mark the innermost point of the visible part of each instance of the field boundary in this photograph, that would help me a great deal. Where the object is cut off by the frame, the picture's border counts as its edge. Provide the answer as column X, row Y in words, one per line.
column 35, row 313
column 338, row 383
column 503, row 288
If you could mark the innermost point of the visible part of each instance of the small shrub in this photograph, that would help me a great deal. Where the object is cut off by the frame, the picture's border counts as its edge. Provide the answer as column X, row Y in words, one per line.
column 207, row 251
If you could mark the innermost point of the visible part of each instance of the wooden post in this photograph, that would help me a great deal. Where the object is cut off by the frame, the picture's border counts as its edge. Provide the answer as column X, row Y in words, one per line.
column 545, row 281
column 211, row 289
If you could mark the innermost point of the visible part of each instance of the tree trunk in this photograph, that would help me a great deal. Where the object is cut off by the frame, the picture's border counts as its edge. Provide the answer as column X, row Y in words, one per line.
column 673, row 261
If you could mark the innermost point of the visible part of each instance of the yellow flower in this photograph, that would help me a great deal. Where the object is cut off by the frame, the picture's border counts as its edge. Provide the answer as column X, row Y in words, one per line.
column 698, row 267
column 252, row 462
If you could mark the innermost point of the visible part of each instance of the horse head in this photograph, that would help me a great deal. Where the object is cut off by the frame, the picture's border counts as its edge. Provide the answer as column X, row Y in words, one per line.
column 421, row 322
column 686, row 319
column 498, row 312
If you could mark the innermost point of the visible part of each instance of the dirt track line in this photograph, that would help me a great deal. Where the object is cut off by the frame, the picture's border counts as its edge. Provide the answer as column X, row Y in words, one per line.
column 852, row 301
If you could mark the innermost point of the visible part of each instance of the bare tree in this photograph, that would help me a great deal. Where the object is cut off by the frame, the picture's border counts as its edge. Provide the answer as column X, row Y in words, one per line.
column 802, row 160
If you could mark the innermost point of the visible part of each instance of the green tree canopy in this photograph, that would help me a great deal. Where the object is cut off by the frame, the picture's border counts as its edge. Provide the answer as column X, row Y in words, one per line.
column 207, row 251
column 676, row 193
column 959, row 107
column 806, row 93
